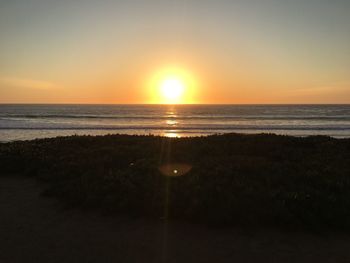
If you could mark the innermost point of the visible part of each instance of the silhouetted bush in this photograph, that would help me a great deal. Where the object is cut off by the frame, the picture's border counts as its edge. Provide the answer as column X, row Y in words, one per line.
column 260, row 180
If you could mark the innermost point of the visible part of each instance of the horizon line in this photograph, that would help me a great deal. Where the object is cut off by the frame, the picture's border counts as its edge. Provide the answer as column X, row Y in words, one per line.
column 167, row 104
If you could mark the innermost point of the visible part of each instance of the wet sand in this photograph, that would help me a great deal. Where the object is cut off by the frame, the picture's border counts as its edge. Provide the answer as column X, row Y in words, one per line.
column 34, row 228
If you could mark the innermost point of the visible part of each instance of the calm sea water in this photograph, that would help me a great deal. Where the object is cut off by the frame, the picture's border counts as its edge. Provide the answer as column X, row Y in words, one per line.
column 24, row 122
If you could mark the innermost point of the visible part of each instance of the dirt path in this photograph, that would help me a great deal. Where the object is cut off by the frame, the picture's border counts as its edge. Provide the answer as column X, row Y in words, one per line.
column 36, row 229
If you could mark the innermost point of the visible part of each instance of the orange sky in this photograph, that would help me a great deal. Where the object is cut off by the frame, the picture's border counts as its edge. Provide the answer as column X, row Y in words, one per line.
column 229, row 52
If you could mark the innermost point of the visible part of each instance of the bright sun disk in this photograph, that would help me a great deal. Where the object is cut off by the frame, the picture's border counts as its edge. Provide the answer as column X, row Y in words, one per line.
column 172, row 89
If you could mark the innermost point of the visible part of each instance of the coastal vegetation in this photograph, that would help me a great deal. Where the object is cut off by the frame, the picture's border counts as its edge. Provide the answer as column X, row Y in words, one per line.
column 222, row 180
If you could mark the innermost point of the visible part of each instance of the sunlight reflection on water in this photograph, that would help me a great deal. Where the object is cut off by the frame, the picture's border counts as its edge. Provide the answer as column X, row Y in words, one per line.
column 171, row 122
column 172, row 134
column 27, row 122
column 171, row 115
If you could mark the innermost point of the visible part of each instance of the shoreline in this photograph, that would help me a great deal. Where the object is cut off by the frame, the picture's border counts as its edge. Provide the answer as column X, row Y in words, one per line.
column 38, row 134
column 38, row 121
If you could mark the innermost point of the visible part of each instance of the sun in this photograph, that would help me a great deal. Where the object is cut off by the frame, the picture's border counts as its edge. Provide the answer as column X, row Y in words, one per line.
column 172, row 85
column 172, row 90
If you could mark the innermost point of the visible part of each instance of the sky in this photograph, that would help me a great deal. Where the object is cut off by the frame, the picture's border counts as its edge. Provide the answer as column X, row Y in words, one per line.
column 225, row 51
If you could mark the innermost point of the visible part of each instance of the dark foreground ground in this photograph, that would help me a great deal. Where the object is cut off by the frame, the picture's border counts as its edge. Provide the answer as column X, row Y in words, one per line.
column 229, row 198
column 37, row 229
column 227, row 180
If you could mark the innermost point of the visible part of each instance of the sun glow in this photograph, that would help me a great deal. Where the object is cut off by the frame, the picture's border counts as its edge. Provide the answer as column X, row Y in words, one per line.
column 172, row 90
column 172, row 86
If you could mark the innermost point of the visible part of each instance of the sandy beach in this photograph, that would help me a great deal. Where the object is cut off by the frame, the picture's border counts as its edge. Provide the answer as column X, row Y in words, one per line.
column 37, row 229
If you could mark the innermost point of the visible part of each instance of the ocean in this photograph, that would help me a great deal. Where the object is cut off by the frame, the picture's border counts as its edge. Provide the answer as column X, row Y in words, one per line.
column 26, row 122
